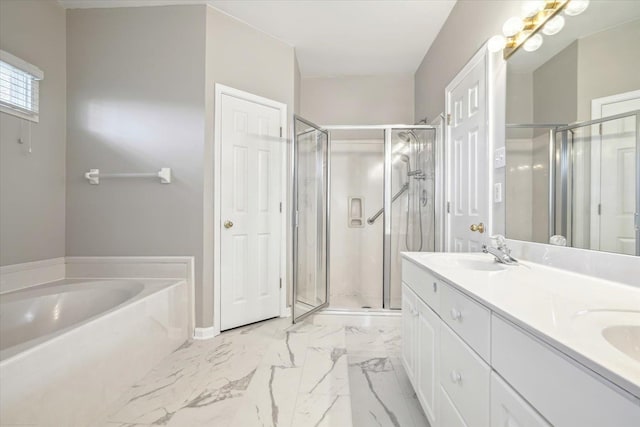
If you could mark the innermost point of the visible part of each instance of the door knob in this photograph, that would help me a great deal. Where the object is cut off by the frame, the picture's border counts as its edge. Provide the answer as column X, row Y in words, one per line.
column 228, row 224
column 477, row 227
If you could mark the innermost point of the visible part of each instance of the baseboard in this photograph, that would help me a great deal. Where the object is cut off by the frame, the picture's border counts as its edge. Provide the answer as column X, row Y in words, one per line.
column 18, row 276
column 204, row 333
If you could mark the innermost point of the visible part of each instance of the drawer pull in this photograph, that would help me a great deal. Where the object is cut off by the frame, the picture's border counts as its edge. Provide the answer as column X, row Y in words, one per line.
column 435, row 287
column 456, row 377
column 455, row 314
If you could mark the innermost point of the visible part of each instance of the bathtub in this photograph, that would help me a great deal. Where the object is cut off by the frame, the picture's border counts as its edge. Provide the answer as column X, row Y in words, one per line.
column 69, row 349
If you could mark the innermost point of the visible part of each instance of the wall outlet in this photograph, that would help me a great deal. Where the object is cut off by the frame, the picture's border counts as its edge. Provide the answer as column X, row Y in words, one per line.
column 497, row 192
column 500, row 158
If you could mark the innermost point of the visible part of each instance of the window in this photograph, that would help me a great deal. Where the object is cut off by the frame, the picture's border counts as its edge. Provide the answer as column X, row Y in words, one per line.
column 19, row 86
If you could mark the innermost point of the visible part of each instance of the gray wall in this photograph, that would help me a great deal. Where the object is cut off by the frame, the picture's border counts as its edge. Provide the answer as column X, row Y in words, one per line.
column 358, row 100
column 608, row 64
column 470, row 24
column 136, row 103
column 555, row 88
column 32, row 186
column 297, row 86
column 141, row 98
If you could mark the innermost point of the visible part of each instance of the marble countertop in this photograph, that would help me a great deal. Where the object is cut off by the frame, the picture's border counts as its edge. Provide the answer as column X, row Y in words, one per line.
column 567, row 310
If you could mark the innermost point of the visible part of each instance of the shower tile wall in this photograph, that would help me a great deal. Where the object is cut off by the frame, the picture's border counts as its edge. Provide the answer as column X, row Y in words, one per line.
column 527, row 185
column 357, row 170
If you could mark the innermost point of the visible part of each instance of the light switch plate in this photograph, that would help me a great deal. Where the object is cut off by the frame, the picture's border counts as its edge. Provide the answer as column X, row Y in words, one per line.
column 497, row 192
column 500, row 158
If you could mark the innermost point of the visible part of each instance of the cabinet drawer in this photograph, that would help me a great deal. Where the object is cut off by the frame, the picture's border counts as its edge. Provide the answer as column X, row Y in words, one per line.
column 564, row 392
column 423, row 283
column 465, row 377
column 509, row 409
column 467, row 318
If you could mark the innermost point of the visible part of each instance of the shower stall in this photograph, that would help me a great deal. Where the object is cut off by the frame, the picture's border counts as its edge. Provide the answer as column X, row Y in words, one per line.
column 362, row 195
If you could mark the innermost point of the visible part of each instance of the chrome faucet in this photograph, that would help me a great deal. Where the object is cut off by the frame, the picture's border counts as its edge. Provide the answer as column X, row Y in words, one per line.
column 501, row 252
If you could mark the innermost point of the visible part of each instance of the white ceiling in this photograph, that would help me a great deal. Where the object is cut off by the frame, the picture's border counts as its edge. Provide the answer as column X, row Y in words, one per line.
column 333, row 37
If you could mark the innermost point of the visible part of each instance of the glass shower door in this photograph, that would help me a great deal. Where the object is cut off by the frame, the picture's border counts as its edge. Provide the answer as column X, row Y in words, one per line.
column 311, row 184
column 411, row 182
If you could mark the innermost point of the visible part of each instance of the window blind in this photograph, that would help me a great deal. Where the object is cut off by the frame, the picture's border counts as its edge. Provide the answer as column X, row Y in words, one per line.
column 19, row 87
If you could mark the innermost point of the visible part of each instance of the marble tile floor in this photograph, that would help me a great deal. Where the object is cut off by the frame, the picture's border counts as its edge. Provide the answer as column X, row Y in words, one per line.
column 341, row 371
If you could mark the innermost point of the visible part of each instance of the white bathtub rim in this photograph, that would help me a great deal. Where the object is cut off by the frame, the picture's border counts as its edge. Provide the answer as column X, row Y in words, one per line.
column 53, row 339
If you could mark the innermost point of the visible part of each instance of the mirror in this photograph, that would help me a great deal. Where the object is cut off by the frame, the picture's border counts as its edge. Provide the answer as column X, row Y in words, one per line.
column 572, row 137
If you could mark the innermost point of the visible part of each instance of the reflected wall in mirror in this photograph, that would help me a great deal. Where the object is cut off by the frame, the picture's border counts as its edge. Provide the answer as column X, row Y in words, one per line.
column 573, row 133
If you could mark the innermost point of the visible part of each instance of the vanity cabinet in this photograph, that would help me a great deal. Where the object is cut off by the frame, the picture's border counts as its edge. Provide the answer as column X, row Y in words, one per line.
column 471, row 367
column 420, row 357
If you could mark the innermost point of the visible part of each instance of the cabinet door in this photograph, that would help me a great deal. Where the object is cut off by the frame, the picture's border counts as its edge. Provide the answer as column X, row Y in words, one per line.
column 449, row 415
column 409, row 316
column 508, row 409
column 428, row 334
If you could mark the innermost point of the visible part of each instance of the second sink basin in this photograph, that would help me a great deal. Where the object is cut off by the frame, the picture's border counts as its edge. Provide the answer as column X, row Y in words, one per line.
column 625, row 338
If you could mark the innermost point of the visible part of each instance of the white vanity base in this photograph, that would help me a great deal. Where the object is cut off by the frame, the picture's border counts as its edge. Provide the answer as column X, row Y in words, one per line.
column 483, row 345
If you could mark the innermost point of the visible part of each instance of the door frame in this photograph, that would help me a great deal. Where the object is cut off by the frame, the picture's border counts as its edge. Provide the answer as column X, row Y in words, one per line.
column 221, row 90
column 596, row 140
column 495, row 124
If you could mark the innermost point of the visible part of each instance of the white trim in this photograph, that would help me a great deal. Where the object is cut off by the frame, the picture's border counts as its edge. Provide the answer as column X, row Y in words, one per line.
column 491, row 123
column 204, row 333
column 10, row 59
column 226, row 90
column 596, row 140
column 18, row 276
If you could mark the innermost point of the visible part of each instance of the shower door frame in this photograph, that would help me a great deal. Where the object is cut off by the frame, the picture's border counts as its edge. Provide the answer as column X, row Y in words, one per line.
column 387, row 202
column 294, row 218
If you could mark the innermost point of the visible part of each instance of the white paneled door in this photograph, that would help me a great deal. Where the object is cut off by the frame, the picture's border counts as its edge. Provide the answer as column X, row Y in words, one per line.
column 614, row 160
column 468, row 158
column 250, row 217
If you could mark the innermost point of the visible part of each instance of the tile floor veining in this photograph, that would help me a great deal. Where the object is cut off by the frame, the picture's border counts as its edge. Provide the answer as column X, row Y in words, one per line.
column 326, row 371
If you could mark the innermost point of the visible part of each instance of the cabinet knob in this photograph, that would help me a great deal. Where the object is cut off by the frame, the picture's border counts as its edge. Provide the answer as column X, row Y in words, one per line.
column 456, row 377
column 435, row 287
column 455, row 314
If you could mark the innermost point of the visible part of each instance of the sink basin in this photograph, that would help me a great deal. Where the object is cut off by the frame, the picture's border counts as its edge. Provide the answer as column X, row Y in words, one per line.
column 619, row 329
column 471, row 262
column 625, row 338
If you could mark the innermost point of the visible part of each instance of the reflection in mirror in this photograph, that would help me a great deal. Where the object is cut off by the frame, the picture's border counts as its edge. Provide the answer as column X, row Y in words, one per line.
column 573, row 130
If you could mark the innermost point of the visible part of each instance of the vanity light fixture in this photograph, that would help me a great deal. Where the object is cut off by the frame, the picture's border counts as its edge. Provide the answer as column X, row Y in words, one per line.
column 533, row 43
column 553, row 25
column 537, row 16
column 576, row 7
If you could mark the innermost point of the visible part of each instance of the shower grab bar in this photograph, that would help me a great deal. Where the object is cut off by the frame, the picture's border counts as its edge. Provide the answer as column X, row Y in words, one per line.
column 94, row 175
column 375, row 216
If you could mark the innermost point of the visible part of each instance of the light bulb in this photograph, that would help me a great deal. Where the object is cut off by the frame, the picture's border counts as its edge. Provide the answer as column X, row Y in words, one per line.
column 554, row 25
column 533, row 43
column 496, row 43
column 512, row 26
column 532, row 7
column 576, row 7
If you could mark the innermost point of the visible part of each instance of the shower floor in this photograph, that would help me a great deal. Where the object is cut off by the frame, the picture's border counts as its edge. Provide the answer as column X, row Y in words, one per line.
column 354, row 301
